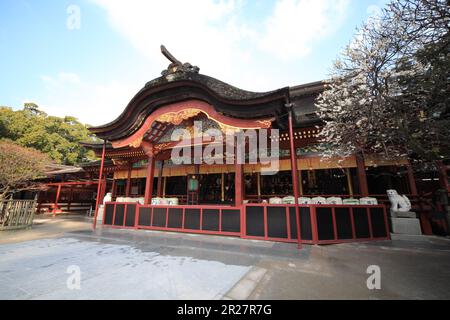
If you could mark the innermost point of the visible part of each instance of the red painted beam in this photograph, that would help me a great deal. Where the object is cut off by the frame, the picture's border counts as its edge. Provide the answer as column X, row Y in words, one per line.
column 74, row 183
column 99, row 185
column 199, row 105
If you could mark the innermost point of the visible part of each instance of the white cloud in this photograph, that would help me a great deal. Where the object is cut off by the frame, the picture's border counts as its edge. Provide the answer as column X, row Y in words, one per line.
column 296, row 25
column 67, row 94
column 215, row 34
column 63, row 78
column 261, row 53
column 185, row 27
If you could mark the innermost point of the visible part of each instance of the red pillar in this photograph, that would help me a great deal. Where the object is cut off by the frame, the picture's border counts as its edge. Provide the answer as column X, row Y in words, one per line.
column 294, row 169
column 160, row 172
column 293, row 159
column 363, row 188
column 128, row 186
column 103, row 189
column 55, row 205
column 113, row 188
column 238, row 190
column 443, row 179
column 39, row 202
column 99, row 184
column 149, row 180
column 70, row 199
column 411, row 180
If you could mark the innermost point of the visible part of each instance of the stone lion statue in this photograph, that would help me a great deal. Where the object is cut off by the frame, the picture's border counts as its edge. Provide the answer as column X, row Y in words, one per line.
column 107, row 198
column 399, row 203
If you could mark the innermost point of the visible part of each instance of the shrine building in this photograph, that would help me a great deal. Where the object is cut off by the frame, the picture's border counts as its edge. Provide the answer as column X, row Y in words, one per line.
column 305, row 199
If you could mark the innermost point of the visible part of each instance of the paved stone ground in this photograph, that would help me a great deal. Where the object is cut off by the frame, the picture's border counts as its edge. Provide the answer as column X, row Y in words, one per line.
column 45, row 226
column 160, row 265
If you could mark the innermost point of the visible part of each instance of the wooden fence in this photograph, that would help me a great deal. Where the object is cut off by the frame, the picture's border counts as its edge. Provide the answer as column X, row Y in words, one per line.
column 16, row 214
column 318, row 223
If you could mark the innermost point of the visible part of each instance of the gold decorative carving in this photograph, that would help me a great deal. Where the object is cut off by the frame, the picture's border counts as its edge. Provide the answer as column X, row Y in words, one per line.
column 228, row 129
column 265, row 123
column 159, row 147
column 177, row 118
column 119, row 162
column 136, row 143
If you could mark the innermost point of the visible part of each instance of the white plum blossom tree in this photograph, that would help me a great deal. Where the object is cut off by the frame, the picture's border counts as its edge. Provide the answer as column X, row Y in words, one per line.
column 389, row 90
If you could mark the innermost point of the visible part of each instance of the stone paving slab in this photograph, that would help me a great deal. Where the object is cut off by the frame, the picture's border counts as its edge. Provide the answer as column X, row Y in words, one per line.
column 38, row 270
column 154, row 265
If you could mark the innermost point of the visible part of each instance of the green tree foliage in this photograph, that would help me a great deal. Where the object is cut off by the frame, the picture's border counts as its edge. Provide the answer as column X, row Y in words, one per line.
column 19, row 168
column 57, row 137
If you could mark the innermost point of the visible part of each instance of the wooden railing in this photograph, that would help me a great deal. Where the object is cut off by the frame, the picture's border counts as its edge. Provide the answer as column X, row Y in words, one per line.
column 319, row 224
column 420, row 203
column 181, row 198
column 16, row 214
column 64, row 206
column 222, row 220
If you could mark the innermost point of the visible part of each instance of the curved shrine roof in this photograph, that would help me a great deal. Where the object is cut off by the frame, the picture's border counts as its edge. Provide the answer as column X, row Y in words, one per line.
column 182, row 82
column 180, row 86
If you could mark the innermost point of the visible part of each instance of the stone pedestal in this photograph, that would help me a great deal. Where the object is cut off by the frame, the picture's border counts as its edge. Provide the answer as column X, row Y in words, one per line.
column 409, row 237
column 100, row 213
column 398, row 214
column 409, row 226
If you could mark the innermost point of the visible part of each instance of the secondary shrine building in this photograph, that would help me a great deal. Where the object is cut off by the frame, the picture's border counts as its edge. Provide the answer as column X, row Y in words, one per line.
column 144, row 187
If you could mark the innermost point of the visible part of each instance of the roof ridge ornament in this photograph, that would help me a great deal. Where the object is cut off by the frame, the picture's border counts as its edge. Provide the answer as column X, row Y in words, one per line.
column 176, row 65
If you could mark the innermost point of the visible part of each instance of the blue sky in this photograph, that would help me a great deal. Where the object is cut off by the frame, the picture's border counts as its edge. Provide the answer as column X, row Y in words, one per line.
column 91, row 72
